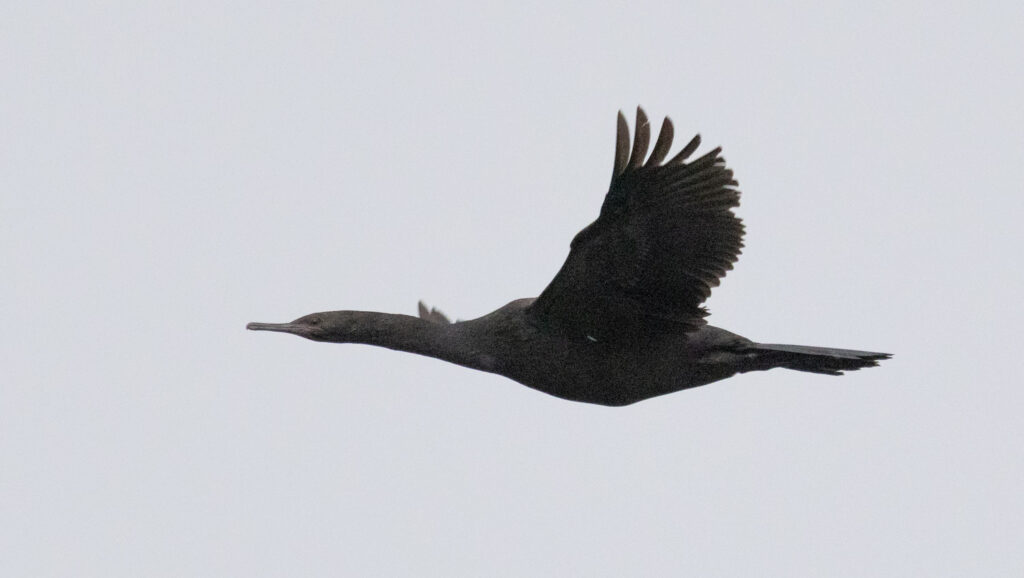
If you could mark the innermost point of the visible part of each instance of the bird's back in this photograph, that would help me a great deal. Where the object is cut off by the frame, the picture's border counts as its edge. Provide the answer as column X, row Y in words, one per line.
column 607, row 372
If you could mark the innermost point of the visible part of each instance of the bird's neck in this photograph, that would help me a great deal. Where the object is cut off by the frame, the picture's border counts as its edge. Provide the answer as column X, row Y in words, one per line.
column 414, row 335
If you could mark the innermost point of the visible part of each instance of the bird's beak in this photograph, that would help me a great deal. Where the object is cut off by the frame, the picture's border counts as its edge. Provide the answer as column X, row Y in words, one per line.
column 282, row 327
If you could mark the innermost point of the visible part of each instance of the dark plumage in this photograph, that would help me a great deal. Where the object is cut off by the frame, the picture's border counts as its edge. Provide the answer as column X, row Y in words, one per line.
column 622, row 320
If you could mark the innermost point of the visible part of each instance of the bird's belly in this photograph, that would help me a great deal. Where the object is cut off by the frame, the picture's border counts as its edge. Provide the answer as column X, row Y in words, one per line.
column 601, row 374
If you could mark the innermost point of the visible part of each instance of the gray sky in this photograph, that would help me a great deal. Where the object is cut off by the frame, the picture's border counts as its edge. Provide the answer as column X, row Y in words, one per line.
column 168, row 174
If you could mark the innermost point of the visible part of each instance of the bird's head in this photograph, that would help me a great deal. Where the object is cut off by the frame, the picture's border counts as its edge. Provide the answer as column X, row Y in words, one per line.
column 332, row 326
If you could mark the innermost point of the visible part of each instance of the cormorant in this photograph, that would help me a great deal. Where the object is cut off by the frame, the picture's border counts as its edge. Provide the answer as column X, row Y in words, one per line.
column 622, row 320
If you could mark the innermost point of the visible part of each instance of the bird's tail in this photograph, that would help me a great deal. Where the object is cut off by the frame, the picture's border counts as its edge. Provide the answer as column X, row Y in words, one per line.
column 825, row 360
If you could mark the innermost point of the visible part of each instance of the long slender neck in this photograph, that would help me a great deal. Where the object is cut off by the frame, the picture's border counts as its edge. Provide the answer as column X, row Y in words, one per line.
column 413, row 335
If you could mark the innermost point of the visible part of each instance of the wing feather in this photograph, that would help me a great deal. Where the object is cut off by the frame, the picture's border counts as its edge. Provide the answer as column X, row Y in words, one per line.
column 665, row 237
column 663, row 145
column 686, row 152
column 621, row 147
column 432, row 314
column 642, row 140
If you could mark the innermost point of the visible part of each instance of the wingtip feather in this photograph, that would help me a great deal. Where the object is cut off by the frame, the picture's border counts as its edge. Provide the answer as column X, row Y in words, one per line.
column 641, row 140
column 686, row 152
column 621, row 146
column 663, row 144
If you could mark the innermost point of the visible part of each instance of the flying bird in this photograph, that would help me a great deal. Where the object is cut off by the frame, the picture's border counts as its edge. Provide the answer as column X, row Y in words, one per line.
column 622, row 321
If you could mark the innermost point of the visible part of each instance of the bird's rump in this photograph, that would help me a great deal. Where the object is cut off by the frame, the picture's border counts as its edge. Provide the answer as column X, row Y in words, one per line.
column 665, row 236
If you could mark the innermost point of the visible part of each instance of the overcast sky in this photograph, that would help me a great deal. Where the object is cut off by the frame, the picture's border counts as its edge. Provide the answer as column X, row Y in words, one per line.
column 169, row 173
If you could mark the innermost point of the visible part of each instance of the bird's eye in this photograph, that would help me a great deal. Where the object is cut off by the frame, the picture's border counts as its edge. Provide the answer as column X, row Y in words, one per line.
column 314, row 320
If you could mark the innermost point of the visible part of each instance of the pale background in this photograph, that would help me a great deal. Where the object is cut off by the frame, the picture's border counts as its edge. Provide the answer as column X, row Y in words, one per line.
column 170, row 172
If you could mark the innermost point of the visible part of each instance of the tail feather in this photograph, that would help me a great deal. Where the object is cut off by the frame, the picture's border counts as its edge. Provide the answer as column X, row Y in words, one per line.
column 824, row 360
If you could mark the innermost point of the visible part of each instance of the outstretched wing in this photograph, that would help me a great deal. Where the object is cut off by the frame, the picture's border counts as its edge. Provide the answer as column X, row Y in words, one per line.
column 665, row 236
